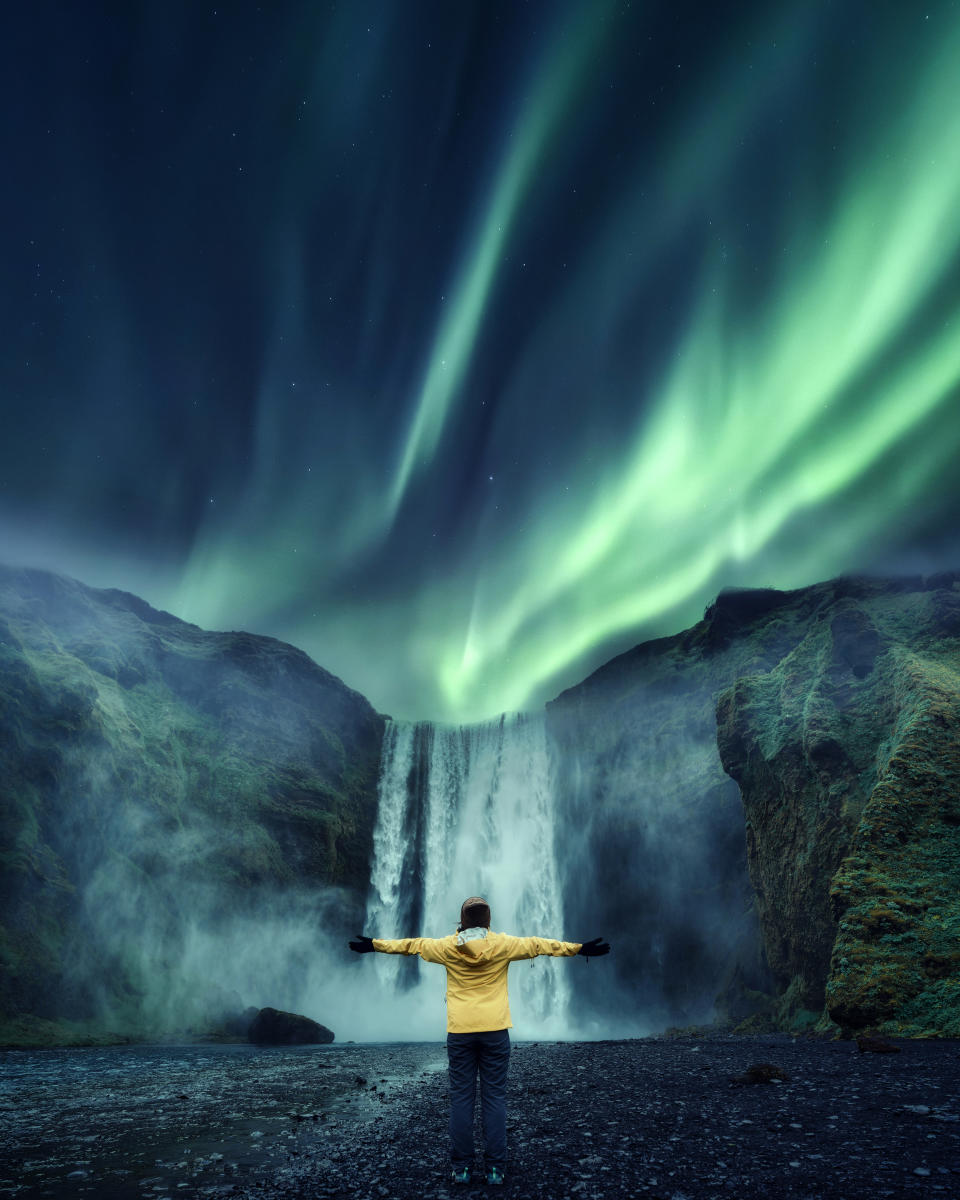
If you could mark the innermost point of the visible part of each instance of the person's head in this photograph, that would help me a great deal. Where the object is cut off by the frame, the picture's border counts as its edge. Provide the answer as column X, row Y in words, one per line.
column 474, row 913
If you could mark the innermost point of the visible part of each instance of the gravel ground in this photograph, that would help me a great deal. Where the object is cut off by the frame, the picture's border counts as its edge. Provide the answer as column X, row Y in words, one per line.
column 654, row 1117
column 111, row 1123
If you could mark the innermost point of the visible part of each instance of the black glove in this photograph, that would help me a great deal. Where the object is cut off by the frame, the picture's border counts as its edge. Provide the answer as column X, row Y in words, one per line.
column 590, row 949
column 363, row 944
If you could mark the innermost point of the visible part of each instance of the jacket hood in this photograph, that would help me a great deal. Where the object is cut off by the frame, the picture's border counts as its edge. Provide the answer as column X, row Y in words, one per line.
column 477, row 949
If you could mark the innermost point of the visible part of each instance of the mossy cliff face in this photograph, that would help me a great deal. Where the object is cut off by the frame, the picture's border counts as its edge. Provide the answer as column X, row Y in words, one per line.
column 847, row 753
column 159, row 783
column 896, row 897
column 834, row 708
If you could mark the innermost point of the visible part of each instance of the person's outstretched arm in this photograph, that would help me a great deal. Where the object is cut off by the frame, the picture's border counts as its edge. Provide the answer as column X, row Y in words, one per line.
column 429, row 949
column 531, row 947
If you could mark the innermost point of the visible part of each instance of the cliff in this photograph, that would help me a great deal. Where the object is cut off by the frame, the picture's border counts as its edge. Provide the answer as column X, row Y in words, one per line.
column 827, row 887
column 847, row 753
column 168, row 793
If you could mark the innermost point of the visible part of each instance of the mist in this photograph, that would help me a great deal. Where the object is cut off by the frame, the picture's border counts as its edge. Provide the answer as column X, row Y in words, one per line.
column 461, row 810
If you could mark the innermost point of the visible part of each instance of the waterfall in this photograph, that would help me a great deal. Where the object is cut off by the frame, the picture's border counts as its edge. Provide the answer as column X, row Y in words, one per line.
column 468, row 811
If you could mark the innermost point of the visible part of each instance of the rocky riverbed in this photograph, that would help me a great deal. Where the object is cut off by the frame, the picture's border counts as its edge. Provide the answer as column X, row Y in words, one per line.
column 659, row 1117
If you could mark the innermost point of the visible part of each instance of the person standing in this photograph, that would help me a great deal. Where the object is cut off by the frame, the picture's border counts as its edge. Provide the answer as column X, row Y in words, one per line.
column 478, row 1020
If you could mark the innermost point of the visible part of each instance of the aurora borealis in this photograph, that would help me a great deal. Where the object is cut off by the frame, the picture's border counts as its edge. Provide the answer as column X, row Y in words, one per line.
column 467, row 345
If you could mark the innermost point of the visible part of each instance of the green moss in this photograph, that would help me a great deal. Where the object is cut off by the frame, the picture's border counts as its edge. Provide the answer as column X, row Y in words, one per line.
column 896, row 964
column 933, row 1012
column 760, row 1022
column 789, row 1011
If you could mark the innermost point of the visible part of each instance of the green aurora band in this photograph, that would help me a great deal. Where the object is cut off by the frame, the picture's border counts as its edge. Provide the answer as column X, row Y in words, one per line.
column 554, row 94
column 791, row 430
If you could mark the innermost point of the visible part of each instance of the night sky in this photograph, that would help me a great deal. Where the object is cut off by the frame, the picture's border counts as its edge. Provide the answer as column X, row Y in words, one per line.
column 465, row 345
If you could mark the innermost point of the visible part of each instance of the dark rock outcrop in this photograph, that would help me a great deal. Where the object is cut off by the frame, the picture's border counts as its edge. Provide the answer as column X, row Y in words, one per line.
column 273, row 1027
column 160, row 780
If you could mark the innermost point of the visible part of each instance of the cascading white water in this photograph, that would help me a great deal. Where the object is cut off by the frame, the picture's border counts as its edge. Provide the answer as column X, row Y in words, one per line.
column 466, row 811
column 389, row 844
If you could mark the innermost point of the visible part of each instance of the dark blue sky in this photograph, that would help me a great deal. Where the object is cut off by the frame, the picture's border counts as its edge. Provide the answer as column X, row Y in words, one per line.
column 465, row 345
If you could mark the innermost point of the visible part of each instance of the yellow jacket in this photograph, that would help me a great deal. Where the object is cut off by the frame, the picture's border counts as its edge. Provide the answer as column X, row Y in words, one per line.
column 476, row 972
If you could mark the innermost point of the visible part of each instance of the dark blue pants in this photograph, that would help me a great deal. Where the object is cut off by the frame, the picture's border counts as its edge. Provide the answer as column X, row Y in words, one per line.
column 489, row 1055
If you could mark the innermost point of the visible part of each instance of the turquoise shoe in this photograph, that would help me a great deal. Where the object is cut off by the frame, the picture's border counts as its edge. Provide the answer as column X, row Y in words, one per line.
column 461, row 1174
column 495, row 1175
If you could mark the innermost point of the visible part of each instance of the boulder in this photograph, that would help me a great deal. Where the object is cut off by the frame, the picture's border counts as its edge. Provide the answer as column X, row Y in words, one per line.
column 271, row 1027
column 239, row 1021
